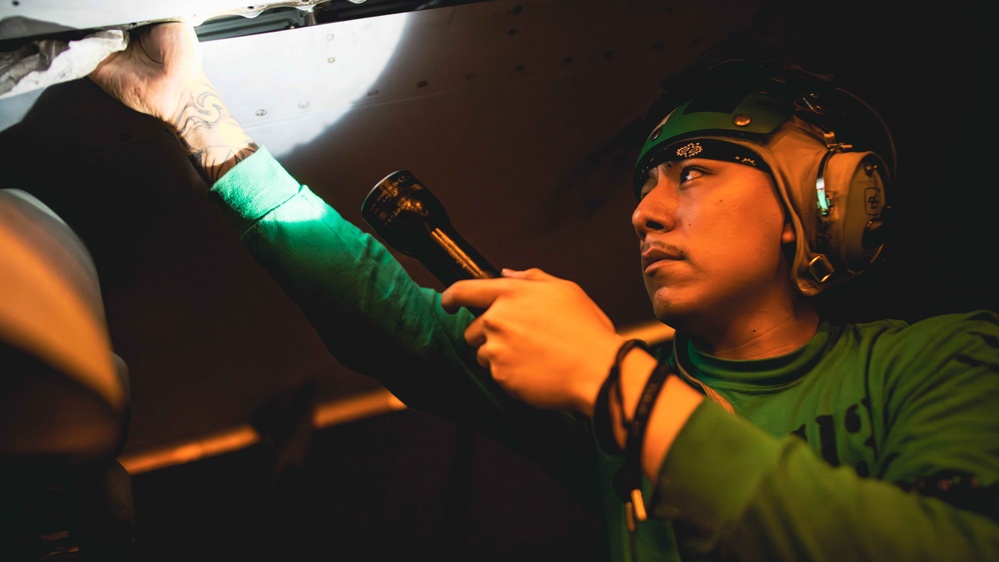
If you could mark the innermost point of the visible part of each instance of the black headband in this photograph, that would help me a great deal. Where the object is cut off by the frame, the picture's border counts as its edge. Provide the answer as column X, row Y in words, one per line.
column 712, row 149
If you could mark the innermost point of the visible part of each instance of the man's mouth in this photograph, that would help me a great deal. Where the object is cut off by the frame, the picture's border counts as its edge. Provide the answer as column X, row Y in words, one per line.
column 656, row 252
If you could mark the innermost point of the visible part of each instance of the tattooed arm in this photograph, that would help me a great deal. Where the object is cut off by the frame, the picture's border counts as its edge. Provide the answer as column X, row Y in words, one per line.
column 160, row 74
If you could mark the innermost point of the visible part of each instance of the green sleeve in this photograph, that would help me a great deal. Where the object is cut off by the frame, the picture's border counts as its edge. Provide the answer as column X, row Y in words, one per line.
column 363, row 304
column 732, row 489
column 377, row 321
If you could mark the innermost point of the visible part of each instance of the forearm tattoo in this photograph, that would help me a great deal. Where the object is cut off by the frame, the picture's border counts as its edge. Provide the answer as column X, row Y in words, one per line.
column 211, row 136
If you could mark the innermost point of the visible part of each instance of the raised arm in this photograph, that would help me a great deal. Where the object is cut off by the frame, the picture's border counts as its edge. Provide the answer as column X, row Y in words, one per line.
column 160, row 74
column 362, row 302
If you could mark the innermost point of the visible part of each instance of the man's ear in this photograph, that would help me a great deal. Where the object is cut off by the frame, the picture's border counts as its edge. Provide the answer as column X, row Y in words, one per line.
column 788, row 236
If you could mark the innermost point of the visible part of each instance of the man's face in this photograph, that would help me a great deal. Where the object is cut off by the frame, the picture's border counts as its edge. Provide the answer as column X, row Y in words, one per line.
column 711, row 234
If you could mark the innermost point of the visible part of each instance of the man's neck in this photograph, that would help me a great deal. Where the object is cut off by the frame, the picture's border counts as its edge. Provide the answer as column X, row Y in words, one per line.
column 764, row 332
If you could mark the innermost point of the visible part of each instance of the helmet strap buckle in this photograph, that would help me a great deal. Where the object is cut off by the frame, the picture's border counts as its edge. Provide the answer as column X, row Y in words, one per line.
column 820, row 268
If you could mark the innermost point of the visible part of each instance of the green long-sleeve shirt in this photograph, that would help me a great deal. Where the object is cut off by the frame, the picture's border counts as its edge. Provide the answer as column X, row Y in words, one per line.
column 874, row 441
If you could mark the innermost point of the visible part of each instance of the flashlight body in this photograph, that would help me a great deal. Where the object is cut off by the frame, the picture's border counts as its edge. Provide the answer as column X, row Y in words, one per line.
column 413, row 221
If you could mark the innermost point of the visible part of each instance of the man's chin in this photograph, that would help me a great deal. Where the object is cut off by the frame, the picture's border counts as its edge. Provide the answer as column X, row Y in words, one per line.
column 668, row 313
column 672, row 311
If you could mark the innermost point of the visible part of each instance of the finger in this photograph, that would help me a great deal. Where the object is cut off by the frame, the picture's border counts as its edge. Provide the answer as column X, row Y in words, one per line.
column 475, row 333
column 475, row 336
column 153, row 41
column 471, row 293
column 533, row 274
column 481, row 358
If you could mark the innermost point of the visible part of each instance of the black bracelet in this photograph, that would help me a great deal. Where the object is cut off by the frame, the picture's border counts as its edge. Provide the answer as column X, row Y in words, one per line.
column 602, row 421
column 601, row 408
column 630, row 478
column 625, row 348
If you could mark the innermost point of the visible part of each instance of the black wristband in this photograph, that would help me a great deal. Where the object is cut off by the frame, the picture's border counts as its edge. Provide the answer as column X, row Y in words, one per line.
column 602, row 420
column 631, row 475
column 602, row 425
column 615, row 373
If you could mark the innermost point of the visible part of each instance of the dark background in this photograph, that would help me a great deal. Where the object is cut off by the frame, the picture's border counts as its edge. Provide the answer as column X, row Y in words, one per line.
column 212, row 343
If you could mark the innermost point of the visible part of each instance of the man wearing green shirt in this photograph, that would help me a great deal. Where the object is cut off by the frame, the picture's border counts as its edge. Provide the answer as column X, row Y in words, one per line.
column 761, row 432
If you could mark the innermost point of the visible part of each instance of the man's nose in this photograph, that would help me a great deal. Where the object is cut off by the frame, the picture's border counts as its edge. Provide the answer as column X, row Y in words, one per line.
column 656, row 212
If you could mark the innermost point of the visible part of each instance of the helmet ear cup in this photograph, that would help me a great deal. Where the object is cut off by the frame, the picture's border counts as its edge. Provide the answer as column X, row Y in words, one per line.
column 852, row 209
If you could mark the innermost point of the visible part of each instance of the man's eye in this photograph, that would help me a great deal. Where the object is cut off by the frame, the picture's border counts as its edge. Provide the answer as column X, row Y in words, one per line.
column 650, row 183
column 690, row 173
column 651, row 180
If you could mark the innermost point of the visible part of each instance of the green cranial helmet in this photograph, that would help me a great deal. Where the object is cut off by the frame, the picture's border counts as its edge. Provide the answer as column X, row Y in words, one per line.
column 829, row 153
